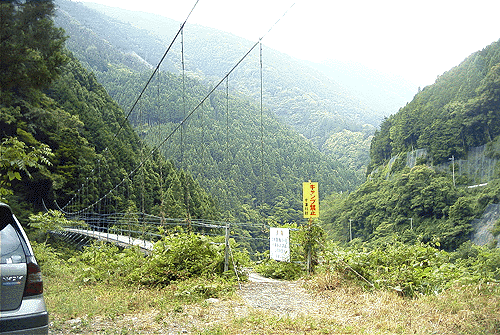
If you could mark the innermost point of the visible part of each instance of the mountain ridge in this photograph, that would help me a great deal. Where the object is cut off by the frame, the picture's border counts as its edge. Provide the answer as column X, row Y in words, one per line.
column 326, row 106
column 230, row 145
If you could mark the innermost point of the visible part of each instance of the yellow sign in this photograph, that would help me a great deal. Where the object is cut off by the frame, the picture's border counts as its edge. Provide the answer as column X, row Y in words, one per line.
column 310, row 204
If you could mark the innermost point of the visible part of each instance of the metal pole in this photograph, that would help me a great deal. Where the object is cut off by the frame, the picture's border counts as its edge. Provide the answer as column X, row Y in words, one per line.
column 226, row 252
column 453, row 167
column 350, row 230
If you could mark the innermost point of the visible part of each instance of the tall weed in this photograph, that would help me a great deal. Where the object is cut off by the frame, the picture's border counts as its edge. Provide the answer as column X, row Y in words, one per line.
column 174, row 258
column 413, row 269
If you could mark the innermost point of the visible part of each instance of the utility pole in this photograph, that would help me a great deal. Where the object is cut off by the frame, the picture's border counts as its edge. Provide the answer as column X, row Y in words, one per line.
column 453, row 168
column 350, row 230
column 226, row 252
column 411, row 223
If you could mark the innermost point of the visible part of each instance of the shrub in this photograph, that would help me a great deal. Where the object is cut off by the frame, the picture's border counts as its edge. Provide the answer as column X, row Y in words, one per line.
column 105, row 262
column 413, row 269
column 181, row 256
column 280, row 270
column 48, row 258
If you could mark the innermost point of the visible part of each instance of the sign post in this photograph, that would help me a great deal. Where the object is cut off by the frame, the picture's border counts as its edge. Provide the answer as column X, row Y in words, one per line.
column 310, row 203
column 310, row 206
column 279, row 247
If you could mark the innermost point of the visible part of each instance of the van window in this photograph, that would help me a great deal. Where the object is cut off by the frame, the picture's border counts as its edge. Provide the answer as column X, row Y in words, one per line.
column 11, row 249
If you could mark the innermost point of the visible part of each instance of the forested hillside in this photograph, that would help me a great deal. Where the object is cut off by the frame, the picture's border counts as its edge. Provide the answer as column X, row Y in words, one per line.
column 252, row 163
column 460, row 111
column 312, row 103
column 63, row 137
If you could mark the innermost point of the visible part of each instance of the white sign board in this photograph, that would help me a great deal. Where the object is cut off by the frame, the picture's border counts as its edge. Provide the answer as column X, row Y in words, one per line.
column 280, row 244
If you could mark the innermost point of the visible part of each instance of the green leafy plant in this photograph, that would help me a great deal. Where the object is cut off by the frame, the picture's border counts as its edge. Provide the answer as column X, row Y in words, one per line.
column 52, row 220
column 311, row 238
column 175, row 258
column 413, row 269
column 280, row 270
column 17, row 157
column 104, row 262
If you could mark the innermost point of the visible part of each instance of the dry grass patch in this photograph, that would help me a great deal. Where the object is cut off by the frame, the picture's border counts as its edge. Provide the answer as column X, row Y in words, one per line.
column 460, row 310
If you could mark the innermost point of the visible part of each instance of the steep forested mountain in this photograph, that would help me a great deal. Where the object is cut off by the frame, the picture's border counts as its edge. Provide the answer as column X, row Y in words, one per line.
column 244, row 156
column 63, row 138
column 425, row 203
column 311, row 102
column 460, row 110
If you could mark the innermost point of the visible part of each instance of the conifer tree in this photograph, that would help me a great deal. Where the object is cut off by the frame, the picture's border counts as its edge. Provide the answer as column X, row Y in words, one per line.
column 31, row 47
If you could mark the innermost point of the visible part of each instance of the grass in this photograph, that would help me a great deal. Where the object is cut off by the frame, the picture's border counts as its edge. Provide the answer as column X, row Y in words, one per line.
column 112, row 308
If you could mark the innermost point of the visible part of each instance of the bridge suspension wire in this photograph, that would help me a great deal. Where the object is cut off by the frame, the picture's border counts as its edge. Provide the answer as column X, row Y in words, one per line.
column 157, row 68
column 219, row 83
column 261, row 132
column 188, row 115
column 181, row 146
column 228, row 164
column 227, row 125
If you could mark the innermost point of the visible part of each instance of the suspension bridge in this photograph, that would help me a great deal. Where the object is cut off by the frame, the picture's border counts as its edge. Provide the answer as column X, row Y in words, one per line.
column 99, row 219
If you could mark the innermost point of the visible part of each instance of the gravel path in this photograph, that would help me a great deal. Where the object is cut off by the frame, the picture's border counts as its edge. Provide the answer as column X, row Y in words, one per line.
column 283, row 297
column 280, row 298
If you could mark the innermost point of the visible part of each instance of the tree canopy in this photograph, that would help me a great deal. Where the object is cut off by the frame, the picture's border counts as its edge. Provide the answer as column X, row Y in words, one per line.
column 460, row 110
column 31, row 50
column 54, row 113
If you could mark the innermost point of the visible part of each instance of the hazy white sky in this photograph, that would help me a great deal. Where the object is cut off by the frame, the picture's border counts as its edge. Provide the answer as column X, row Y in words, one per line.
column 418, row 40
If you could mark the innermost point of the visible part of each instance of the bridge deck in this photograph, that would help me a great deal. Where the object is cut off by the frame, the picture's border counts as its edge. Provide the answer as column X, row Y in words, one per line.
column 114, row 238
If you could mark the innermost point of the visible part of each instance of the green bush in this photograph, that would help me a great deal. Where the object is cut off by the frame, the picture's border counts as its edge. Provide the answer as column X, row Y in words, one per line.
column 204, row 288
column 187, row 255
column 48, row 258
column 178, row 257
column 413, row 269
column 174, row 258
column 280, row 270
column 105, row 262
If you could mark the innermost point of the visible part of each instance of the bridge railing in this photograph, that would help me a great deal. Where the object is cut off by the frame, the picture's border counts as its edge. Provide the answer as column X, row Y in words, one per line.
column 141, row 226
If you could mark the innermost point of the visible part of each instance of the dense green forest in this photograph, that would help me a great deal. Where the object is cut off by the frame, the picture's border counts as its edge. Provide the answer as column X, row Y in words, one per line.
column 459, row 111
column 305, row 99
column 88, row 155
column 239, row 156
column 73, row 138
column 252, row 163
column 64, row 140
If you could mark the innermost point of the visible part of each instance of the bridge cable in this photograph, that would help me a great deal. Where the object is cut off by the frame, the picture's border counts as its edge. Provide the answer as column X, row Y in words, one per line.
column 162, row 191
column 228, row 165
column 261, row 137
column 181, row 147
column 155, row 70
column 142, row 91
column 181, row 124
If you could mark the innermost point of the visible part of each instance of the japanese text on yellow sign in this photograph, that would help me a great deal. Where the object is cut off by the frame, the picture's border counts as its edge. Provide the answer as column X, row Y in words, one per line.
column 311, row 200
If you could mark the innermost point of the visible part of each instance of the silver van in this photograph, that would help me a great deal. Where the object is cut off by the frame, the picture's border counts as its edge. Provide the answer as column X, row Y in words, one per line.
column 23, row 309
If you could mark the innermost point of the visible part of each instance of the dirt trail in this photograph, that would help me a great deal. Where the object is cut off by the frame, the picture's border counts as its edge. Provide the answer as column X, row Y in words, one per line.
column 284, row 297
